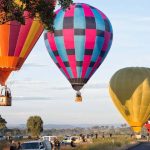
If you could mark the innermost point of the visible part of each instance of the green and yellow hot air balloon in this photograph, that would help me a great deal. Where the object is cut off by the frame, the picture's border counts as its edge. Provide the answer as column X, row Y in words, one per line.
column 130, row 92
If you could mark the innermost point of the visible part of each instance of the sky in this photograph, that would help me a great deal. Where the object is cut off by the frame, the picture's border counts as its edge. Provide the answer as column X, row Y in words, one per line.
column 39, row 88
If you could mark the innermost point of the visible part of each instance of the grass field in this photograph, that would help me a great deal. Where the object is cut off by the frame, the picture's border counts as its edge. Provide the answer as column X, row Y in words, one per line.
column 115, row 143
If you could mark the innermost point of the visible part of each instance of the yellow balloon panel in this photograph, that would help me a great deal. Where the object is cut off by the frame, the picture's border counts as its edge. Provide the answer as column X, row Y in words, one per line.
column 130, row 92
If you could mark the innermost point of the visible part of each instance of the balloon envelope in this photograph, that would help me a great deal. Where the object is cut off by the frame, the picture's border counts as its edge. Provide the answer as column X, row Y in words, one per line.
column 130, row 91
column 16, row 42
column 81, row 40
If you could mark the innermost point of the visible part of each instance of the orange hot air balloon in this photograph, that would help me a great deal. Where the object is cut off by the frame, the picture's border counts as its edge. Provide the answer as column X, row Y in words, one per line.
column 16, row 43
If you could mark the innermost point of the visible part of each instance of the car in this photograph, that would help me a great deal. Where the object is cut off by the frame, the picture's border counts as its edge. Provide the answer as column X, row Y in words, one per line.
column 2, row 138
column 68, row 139
column 51, row 139
column 36, row 145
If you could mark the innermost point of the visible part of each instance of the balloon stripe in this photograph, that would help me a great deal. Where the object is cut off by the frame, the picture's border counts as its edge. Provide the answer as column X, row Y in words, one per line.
column 4, row 39
column 70, row 11
column 30, row 37
column 96, row 65
column 78, row 16
column 106, row 41
column 69, row 45
column 59, row 20
column 79, row 51
column 50, row 50
column 79, row 36
column 14, row 35
column 90, row 37
column 100, row 24
column 87, row 11
column 62, row 58
column 53, row 47
column 53, row 56
column 32, row 44
column 89, row 46
column 69, row 41
column 24, row 30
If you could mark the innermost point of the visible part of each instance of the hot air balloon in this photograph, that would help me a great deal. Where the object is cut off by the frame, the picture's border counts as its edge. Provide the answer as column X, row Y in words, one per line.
column 81, row 40
column 16, row 43
column 130, row 91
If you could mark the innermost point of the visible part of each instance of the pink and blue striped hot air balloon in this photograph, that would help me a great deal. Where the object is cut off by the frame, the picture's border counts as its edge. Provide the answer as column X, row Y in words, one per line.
column 81, row 40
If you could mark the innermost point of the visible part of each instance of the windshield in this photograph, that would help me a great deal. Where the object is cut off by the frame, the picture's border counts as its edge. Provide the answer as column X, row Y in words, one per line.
column 30, row 146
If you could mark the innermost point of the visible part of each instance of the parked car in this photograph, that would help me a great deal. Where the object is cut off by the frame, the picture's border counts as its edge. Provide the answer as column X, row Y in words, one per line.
column 17, row 137
column 68, row 139
column 2, row 138
column 36, row 145
column 51, row 139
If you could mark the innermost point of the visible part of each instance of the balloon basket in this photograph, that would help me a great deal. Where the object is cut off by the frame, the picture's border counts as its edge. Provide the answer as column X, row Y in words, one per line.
column 78, row 97
column 5, row 101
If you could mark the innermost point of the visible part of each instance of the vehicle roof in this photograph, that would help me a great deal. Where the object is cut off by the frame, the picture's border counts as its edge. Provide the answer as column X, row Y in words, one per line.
column 38, row 141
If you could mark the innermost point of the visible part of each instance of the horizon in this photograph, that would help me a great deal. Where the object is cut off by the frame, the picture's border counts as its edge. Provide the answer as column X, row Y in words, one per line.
column 35, row 87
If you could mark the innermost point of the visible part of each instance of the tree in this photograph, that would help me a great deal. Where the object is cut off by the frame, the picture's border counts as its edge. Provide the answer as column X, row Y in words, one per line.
column 34, row 126
column 2, row 123
column 10, row 10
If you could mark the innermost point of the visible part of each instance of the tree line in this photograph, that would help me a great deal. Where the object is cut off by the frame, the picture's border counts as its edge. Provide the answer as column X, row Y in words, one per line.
column 34, row 126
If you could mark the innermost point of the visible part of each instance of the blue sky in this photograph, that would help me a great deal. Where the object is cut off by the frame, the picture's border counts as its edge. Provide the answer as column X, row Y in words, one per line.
column 39, row 88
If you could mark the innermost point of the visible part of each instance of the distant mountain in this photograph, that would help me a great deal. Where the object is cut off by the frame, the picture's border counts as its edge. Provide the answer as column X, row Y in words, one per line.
column 64, row 126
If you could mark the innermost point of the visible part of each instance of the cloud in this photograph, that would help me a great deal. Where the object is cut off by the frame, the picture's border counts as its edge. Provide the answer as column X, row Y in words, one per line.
column 97, row 86
column 21, row 98
column 34, row 65
column 143, row 19
column 27, row 82
column 87, row 86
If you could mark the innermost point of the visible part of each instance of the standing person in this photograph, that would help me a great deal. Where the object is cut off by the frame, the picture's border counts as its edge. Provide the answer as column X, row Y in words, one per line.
column 103, row 136
column 96, row 135
column 13, row 146
column 147, row 136
column 57, row 144
column 72, row 143
column 18, row 146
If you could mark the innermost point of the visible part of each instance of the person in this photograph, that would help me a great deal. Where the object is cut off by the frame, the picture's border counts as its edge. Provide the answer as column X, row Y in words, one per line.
column 57, row 143
column 7, row 92
column 96, row 135
column 103, row 136
column 72, row 143
column 18, row 146
column 147, row 136
column 13, row 146
column 110, row 135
